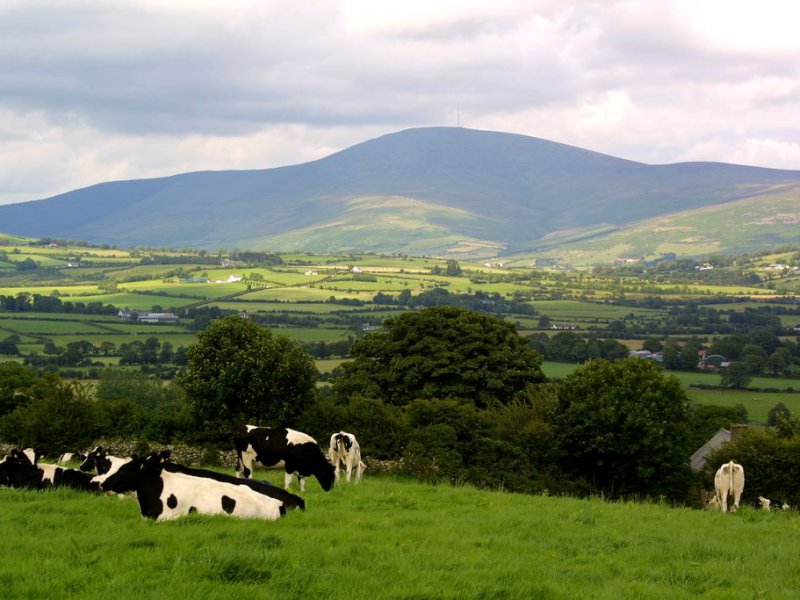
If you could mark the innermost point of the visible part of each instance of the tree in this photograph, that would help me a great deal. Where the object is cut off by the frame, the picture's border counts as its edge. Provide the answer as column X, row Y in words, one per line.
column 736, row 375
column 8, row 347
column 440, row 352
column 653, row 344
column 624, row 427
column 777, row 413
column 453, row 269
column 59, row 416
column 122, row 384
column 681, row 358
column 15, row 383
column 239, row 373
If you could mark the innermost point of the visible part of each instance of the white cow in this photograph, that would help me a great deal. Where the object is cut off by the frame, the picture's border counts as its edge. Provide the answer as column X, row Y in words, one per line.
column 729, row 481
column 344, row 452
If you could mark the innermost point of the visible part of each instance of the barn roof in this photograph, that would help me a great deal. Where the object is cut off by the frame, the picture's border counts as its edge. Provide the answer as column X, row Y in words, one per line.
column 698, row 459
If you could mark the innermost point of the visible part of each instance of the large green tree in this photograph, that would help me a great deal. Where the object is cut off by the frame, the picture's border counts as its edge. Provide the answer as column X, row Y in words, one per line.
column 239, row 372
column 440, row 352
column 58, row 416
column 15, row 383
column 624, row 427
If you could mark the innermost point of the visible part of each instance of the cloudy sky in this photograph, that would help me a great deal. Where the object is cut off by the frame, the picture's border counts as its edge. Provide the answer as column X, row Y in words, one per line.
column 99, row 90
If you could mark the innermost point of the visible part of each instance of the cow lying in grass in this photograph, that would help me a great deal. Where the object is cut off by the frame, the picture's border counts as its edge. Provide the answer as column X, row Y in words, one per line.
column 17, row 470
column 166, row 490
column 69, row 457
column 102, row 463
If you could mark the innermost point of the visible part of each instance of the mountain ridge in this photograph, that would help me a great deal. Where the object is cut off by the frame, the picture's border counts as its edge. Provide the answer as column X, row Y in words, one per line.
column 419, row 190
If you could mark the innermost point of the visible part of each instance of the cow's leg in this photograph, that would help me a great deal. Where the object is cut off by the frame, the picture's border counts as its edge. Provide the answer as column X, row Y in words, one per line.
column 723, row 502
column 244, row 467
column 349, row 471
column 287, row 479
column 359, row 471
column 302, row 481
column 736, row 497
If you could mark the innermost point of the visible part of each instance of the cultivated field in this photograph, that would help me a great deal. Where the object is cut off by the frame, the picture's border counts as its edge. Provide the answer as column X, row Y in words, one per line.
column 334, row 298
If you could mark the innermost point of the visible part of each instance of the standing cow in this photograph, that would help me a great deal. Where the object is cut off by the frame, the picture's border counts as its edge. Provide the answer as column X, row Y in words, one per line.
column 729, row 481
column 270, row 445
column 166, row 490
column 344, row 452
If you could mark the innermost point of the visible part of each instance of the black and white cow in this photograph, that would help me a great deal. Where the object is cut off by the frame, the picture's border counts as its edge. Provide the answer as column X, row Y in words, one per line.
column 32, row 454
column 345, row 453
column 70, row 457
column 102, row 463
column 166, row 490
column 270, row 445
column 17, row 470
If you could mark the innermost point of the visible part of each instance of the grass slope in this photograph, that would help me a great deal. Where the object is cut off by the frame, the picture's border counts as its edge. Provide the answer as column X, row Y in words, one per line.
column 745, row 225
column 387, row 538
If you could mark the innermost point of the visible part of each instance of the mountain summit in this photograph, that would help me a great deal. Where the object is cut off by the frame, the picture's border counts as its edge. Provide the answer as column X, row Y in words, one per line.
column 418, row 191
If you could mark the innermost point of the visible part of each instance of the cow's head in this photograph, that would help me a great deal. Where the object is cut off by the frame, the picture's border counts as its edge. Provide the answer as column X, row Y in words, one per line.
column 90, row 462
column 127, row 478
column 325, row 472
column 343, row 439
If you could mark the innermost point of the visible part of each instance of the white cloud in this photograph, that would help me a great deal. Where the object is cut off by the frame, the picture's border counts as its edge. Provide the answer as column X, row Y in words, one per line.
column 92, row 91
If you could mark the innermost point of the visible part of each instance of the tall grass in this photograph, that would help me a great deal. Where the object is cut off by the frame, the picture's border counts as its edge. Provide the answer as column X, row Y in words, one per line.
column 388, row 538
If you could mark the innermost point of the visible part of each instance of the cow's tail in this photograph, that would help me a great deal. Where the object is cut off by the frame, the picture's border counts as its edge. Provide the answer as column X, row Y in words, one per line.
column 731, row 467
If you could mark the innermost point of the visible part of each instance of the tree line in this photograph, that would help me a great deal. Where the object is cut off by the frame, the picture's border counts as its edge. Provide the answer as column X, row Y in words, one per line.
column 443, row 394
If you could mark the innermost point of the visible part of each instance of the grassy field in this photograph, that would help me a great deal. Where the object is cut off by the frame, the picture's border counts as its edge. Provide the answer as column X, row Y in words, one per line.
column 757, row 403
column 387, row 538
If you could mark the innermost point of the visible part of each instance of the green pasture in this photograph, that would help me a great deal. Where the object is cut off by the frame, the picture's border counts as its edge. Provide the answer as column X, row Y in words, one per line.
column 575, row 309
column 33, row 316
column 304, row 308
column 326, row 365
column 790, row 320
column 136, row 328
column 275, row 276
column 558, row 370
column 193, row 290
column 296, row 294
column 387, row 538
column 40, row 327
column 66, row 292
column 758, row 404
column 176, row 339
column 122, row 258
column 383, row 284
column 312, row 334
column 42, row 260
column 151, row 271
column 143, row 302
column 704, row 378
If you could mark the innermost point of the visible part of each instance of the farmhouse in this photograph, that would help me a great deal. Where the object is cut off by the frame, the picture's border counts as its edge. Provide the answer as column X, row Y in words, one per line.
column 712, row 362
column 158, row 318
column 656, row 356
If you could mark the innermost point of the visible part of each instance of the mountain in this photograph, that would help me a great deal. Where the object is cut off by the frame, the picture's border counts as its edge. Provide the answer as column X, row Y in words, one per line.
column 423, row 191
